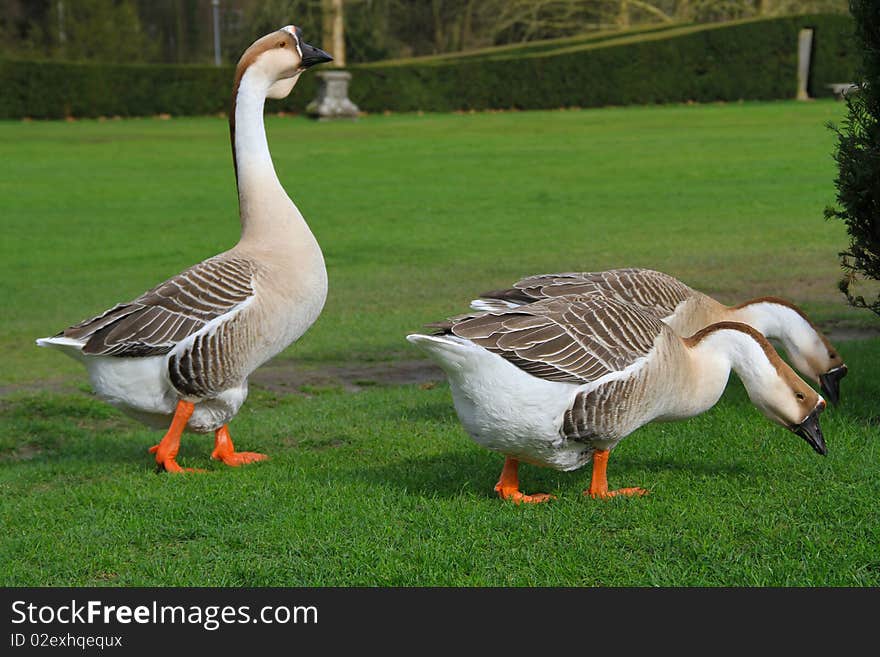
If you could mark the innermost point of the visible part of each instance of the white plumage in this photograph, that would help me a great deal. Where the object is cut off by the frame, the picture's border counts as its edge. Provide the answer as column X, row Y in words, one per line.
column 560, row 382
column 181, row 353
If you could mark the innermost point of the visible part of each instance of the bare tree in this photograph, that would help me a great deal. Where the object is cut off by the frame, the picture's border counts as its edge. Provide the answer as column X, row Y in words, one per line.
column 351, row 30
column 333, row 30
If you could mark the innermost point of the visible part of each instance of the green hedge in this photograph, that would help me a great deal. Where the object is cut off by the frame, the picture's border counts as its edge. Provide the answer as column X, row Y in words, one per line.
column 746, row 60
column 51, row 90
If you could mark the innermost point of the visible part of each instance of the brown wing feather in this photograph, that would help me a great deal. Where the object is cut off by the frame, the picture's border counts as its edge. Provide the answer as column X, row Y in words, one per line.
column 157, row 320
column 574, row 339
column 653, row 291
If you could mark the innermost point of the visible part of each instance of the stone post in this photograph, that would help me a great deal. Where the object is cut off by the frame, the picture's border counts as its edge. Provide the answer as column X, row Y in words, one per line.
column 805, row 48
column 332, row 101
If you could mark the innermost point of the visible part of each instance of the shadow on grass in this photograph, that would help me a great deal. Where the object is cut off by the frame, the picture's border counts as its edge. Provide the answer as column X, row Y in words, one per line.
column 438, row 411
column 861, row 409
column 46, row 428
column 451, row 475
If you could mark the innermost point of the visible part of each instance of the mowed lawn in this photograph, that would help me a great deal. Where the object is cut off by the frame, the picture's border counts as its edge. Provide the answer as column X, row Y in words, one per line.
column 416, row 215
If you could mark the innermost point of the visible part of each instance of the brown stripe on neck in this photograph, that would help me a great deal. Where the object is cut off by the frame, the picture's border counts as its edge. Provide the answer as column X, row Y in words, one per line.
column 788, row 304
column 769, row 351
column 249, row 56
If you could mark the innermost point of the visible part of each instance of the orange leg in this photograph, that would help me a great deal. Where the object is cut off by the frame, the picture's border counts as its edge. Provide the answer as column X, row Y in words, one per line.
column 166, row 450
column 599, row 483
column 224, row 450
column 508, row 485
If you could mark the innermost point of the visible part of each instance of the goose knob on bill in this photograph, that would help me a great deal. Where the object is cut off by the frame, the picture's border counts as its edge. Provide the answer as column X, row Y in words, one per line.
column 560, row 382
column 687, row 311
column 179, row 356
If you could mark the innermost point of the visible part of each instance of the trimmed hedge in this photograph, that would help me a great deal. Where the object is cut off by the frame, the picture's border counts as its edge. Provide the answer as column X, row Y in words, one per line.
column 55, row 90
column 51, row 90
column 747, row 60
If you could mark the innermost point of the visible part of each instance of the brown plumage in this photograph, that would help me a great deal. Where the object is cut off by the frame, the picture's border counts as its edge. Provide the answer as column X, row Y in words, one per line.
column 575, row 339
column 561, row 381
column 164, row 316
column 651, row 290
column 179, row 355
column 687, row 311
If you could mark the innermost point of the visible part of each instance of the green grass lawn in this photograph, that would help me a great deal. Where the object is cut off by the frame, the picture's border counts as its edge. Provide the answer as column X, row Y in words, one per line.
column 416, row 215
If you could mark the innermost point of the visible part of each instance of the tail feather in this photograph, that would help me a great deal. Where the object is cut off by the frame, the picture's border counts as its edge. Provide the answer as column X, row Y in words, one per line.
column 446, row 350
column 69, row 346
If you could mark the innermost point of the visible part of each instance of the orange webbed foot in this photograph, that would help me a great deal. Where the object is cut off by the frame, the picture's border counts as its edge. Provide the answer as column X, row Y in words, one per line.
column 238, row 458
column 168, row 463
column 508, row 486
column 224, row 450
column 606, row 494
column 599, row 485
column 166, row 450
column 518, row 497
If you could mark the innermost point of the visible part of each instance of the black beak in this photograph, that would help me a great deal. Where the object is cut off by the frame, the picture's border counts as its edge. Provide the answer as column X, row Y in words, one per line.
column 831, row 383
column 312, row 55
column 810, row 430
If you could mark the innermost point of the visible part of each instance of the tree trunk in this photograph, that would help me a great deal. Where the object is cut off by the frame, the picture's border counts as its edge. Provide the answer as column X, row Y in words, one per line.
column 683, row 10
column 436, row 10
column 623, row 15
column 333, row 31
column 179, row 35
column 464, row 38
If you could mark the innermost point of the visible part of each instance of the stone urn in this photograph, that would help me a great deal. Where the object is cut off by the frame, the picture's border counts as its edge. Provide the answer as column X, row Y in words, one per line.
column 332, row 101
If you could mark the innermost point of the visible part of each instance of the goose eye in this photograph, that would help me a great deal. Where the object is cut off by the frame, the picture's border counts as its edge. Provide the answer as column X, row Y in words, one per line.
column 282, row 44
column 831, row 354
column 800, row 396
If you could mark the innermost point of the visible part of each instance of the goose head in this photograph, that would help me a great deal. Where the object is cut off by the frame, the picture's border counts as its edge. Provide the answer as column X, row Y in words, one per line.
column 280, row 57
column 772, row 385
column 784, row 398
column 812, row 354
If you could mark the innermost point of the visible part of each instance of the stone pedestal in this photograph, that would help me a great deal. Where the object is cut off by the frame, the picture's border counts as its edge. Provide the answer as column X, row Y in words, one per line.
column 805, row 49
column 332, row 101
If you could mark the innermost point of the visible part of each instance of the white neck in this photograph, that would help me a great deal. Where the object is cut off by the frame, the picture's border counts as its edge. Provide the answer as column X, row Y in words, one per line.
column 772, row 319
column 711, row 360
column 268, row 216
column 776, row 320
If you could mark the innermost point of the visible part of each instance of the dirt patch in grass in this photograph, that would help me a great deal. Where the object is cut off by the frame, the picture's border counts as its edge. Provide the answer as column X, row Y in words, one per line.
column 60, row 386
column 844, row 333
column 289, row 376
column 22, row 453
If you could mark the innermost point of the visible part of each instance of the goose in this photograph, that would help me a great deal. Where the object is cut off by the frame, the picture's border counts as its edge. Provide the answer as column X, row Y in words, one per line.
column 687, row 311
column 179, row 355
column 560, row 382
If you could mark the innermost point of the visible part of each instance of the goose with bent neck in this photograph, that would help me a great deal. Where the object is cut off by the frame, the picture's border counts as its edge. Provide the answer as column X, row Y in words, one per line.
column 720, row 348
column 181, row 353
column 687, row 311
column 560, row 382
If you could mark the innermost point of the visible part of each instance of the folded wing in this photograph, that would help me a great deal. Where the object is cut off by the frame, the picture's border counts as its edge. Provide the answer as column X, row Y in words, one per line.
column 164, row 316
column 574, row 339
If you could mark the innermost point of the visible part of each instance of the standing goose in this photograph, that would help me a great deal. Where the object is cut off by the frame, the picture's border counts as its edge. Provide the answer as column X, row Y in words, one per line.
column 560, row 382
column 687, row 311
column 181, row 353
